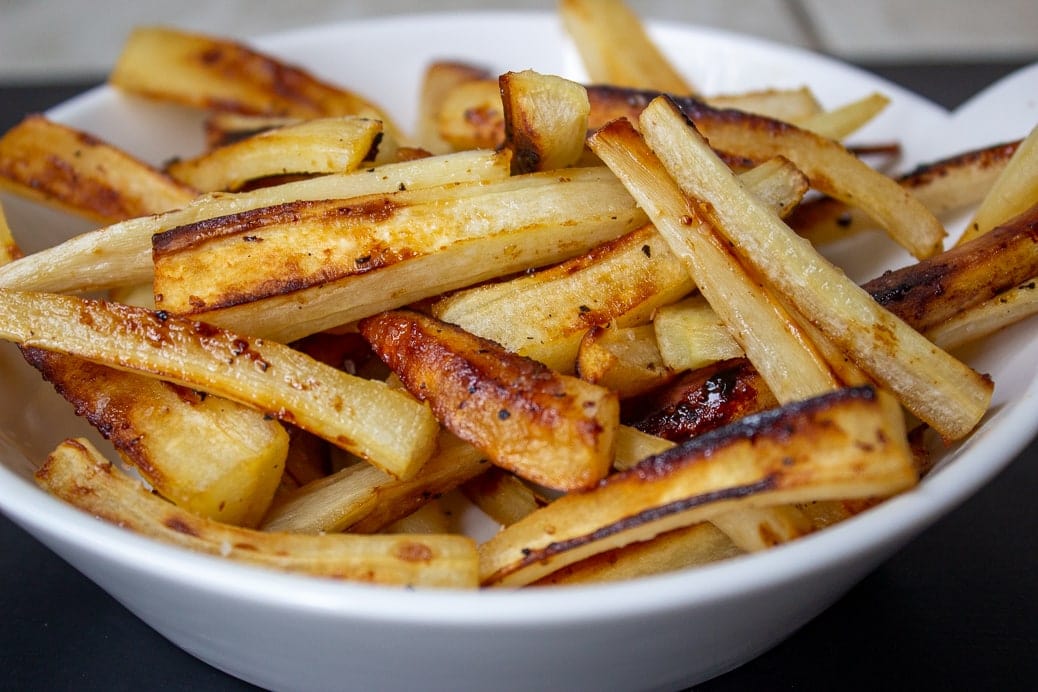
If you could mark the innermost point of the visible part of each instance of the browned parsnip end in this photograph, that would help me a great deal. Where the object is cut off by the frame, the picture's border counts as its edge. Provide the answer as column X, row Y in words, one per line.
column 548, row 428
column 545, row 120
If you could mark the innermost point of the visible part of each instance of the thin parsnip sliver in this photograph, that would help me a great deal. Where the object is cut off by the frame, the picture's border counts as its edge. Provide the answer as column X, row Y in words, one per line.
column 313, row 147
column 363, row 499
column 942, row 186
column 615, row 46
column 382, row 425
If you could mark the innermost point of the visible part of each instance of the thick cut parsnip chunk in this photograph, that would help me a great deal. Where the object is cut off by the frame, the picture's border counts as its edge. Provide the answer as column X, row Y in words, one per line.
column 382, row 425
column 545, row 120
column 549, row 428
column 155, row 426
column 77, row 473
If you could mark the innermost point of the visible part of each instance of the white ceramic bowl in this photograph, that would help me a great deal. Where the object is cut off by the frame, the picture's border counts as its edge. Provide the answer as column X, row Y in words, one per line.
column 290, row 632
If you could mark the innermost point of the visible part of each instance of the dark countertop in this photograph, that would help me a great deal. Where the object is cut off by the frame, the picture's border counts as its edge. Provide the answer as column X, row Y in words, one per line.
column 911, row 624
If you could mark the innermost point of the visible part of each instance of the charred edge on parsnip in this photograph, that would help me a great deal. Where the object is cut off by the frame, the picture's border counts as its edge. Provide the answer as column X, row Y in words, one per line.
column 775, row 423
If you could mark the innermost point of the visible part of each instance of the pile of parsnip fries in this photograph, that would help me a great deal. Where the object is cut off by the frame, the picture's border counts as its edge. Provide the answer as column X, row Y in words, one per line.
column 597, row 312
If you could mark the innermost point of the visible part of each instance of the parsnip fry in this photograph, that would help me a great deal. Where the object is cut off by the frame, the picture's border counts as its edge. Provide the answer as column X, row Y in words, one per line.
column 544, row 315
column 684, row 548
column 9, row 250
column 616, row 48
column 545, row 120
column 936, row 387
column 384, row 426
column 502, row 496
column 690, row 335
column 633, row 445
column 1008, row 307
column 74, row 171
column 700, row 401
column 77, row 473
column 927, row 293
column 827, row 164
column 316, row 147
column 223, row 128
column 761, row 528
column 328, row 504
column 749, row 528
column 439, row 80
column 120, row 254
column 454, row 462
column 625, row 360
column 219, row 74
column 364, row 499
column 1015, row 191
column 789, row 362
column 838, row 445
column 155, row 426
column 845, row 120
column 943, row 186
column 791, row 105
column 296, row 269
column 549, row 428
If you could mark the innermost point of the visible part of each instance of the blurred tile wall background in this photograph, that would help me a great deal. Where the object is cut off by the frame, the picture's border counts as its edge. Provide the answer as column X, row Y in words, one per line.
column 55, row 40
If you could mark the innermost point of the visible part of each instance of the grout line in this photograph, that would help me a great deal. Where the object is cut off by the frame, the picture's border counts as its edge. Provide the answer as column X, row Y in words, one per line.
column 806, row 23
